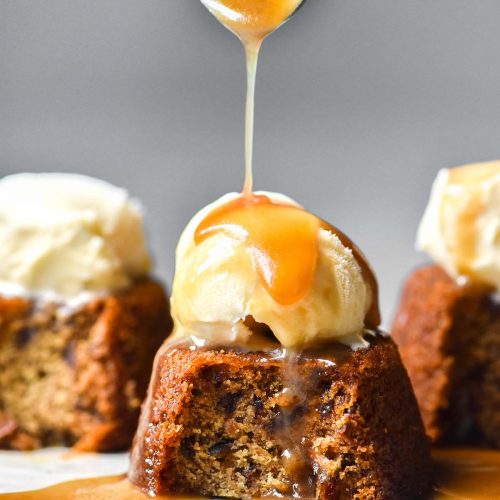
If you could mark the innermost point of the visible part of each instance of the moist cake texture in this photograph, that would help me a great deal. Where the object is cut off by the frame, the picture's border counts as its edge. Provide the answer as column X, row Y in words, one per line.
column 336, row 424
column 78, row 377
column 449, row 339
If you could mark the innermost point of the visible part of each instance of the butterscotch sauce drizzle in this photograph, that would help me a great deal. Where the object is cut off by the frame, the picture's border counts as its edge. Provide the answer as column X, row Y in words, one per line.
column 252, row 50
column 251, row 22
column 282, row 240
column 465, row 474
column 283, row 245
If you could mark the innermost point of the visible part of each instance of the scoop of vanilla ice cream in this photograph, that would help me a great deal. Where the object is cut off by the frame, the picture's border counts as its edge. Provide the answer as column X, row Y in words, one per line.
column 64, row 234
column 216, row 287
column 460, row 229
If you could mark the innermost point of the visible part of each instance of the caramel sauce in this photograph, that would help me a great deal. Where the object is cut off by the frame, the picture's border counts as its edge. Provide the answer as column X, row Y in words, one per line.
column 251, row 22
column 470, row 474
column 96, row 488
column 283, row 245
column 282, row 240
column 467, row 474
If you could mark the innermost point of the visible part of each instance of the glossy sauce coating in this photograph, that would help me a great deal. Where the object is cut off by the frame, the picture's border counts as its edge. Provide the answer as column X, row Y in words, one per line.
column 470, row 474
column 283, row 241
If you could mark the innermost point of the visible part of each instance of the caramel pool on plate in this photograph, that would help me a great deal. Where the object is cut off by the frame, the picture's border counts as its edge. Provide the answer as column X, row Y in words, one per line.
column 461, row 473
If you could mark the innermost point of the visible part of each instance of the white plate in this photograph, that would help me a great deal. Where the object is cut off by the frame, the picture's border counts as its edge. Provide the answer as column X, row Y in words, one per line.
column 29, row 470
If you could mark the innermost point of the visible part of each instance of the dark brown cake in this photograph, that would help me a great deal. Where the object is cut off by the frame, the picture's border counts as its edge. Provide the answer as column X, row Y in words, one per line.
column 449, row 339
column 78, row 378
column 219, row 422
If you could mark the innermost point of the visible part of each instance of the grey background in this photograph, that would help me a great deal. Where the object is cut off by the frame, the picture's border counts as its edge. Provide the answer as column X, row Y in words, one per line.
column 359, row 103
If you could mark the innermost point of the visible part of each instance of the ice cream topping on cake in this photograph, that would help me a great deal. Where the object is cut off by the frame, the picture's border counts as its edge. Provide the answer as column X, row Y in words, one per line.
column 460, row 229
column 266, row 258
column 255, row 259
column 65, row 235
